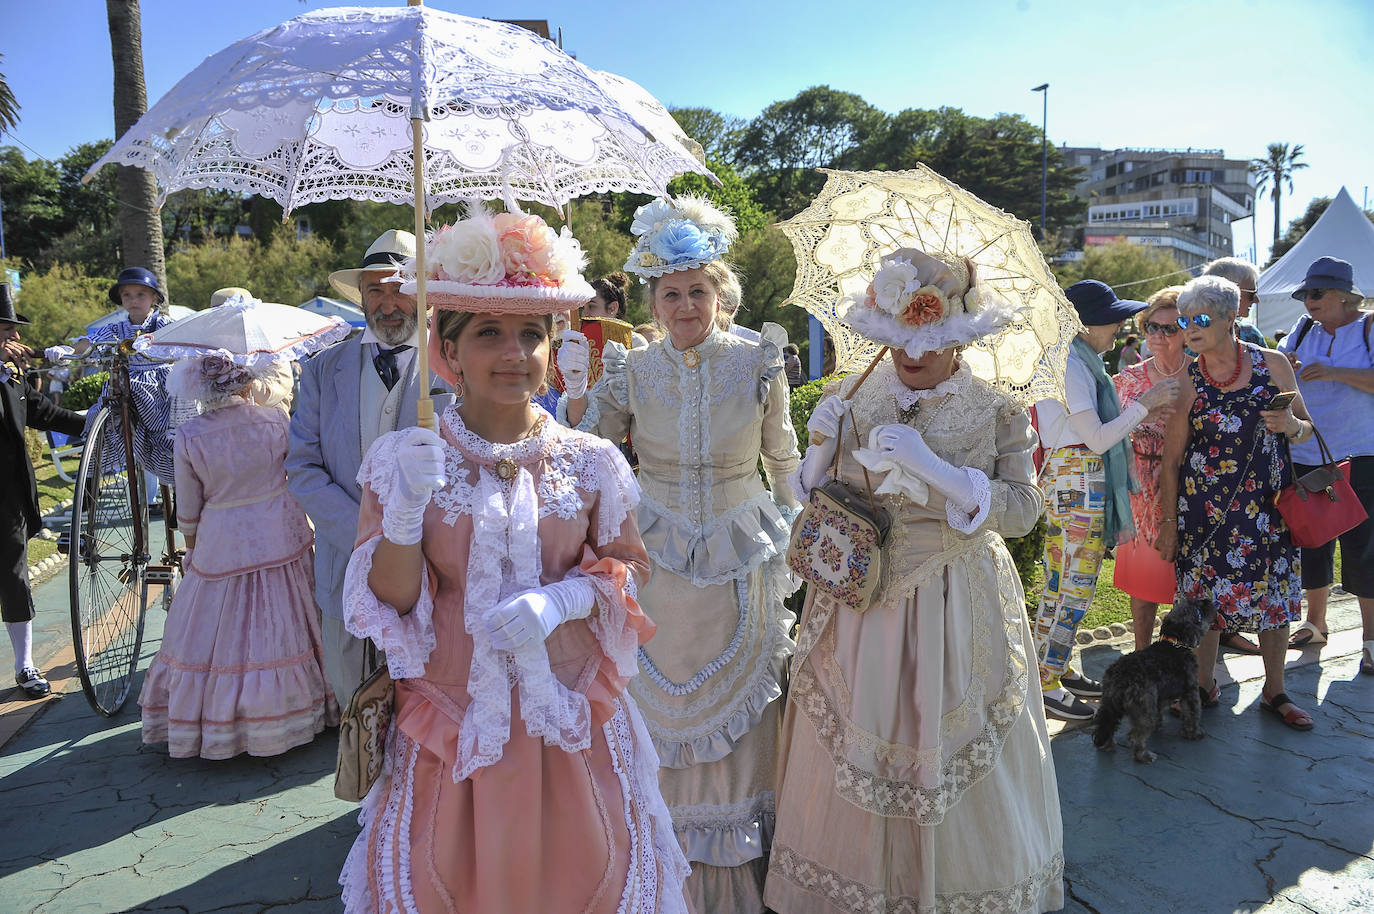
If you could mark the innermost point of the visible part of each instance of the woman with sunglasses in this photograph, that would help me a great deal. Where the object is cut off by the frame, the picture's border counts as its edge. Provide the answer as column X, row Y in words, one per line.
column 1330, row 350
column 1223, row 465
column 1140, row 572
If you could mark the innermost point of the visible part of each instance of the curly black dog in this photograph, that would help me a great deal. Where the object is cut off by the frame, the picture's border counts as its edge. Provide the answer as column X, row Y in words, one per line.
column 1141, row 684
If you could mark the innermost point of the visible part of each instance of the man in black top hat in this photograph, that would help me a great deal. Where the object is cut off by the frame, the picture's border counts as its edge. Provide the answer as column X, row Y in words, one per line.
column 21, row 406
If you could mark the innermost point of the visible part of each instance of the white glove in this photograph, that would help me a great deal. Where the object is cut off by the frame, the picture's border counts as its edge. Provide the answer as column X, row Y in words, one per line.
column 419, row 471
column 904, row 445
column 58, row 353
column 534, row 614
column 826, row 419
column 814, row 467
column 574, row 361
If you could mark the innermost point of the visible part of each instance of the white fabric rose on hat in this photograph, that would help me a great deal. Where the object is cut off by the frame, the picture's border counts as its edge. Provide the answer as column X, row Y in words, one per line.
column 894, row 284
column 470, row 251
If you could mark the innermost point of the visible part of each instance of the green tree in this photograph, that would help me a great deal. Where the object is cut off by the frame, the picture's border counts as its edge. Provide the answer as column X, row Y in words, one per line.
column 9, row 106
column 1133, row 270
column 60, row 301
column 781, row 148
column 997, row 158
column 733, row 194
column 1275, row 170
column 33, row 203
column 767, row 270
column 1302, row 225
column 719, row 134
column 284, row 270
column 196, row 215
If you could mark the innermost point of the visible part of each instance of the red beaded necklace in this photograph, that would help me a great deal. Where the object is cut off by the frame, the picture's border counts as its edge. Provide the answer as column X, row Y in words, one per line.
column 1220, row 385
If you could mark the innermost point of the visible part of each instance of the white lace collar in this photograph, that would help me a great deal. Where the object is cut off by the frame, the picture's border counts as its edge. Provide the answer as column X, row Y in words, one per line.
column 487, row 453
column 907, row 398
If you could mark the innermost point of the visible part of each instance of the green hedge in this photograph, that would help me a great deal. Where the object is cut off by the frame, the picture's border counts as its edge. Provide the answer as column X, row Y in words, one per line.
column 82, row 394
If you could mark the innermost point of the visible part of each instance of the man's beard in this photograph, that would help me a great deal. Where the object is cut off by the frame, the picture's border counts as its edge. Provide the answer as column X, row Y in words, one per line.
column 393, row 336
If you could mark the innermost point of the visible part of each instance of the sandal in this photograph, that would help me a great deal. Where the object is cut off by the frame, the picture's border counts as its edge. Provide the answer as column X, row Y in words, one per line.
column 1305, row 634
column 1209, row 699
column 1367, row 659
column 1237, row 642
column 1296, row 717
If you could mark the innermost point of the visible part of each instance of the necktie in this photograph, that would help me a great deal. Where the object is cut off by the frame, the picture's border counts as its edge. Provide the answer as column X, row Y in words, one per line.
column 385, row 363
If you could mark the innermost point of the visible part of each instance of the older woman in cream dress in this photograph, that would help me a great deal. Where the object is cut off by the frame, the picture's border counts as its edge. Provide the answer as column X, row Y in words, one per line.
column 916, row 772
column 702, row 406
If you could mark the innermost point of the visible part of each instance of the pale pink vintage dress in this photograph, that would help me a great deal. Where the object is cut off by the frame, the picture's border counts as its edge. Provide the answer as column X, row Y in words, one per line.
column 524, row 781
column 915, row 770
column 240, row 668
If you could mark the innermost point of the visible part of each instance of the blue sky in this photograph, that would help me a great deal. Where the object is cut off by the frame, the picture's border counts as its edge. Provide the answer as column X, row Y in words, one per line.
column 1231, row 74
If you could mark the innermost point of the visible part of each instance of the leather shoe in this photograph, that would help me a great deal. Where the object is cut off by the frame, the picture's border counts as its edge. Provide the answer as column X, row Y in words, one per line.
column 32, row 683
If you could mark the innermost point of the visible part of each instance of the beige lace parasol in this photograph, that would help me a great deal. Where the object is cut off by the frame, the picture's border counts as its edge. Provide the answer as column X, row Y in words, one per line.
column 858, row 217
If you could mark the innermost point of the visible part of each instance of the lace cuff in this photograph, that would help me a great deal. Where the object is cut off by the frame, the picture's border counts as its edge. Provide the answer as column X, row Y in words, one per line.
column 615, row 604
column 378, row 469
column 407, row 640
column 957, row 517
column 590, row 419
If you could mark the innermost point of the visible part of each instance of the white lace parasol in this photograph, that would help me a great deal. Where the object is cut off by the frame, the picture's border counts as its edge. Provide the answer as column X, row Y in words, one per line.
column 247, row 332
column 858, row 217
column 319, row 108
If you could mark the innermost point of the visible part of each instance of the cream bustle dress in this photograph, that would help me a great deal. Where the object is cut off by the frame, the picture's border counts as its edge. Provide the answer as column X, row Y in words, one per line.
column 916, row 773
column 711, row 680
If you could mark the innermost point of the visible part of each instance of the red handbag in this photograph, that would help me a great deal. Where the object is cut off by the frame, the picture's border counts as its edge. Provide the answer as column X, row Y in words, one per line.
column 1320, row 505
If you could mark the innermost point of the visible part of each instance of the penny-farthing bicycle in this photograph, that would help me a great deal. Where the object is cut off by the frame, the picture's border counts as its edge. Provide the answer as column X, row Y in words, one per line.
column 112, row 570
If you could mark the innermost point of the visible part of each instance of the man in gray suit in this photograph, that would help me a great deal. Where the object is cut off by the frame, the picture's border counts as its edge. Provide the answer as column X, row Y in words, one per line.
column 351, row 394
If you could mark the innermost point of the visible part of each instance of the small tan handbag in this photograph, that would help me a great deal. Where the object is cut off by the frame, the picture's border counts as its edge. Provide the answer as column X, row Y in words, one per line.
column 837, row 543
column 362, row 732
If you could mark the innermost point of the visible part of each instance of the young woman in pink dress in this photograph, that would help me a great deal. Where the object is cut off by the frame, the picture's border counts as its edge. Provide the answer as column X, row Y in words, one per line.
column 497, row 565
column 1140, row 572
column 240, row 668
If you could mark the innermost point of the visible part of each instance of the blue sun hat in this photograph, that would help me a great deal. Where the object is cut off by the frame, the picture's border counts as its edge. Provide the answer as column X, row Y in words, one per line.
column 1098, row 304
column 680, row 234
column 1328, row 273
column 136, row 276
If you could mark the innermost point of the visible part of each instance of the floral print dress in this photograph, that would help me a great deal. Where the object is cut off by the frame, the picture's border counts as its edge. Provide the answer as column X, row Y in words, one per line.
column 1234, row 547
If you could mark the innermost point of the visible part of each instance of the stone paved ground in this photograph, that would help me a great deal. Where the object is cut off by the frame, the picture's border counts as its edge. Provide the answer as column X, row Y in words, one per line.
column 1255, row 818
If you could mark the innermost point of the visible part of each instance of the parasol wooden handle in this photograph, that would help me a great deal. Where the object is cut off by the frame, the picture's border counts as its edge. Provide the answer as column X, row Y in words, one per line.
column 424, row 407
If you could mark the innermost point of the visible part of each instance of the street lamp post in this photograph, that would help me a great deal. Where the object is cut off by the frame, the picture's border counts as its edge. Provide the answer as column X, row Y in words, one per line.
column 1044, row 88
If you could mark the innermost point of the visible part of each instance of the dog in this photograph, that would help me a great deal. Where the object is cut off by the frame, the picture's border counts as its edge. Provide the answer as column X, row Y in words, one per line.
column 1140, row 685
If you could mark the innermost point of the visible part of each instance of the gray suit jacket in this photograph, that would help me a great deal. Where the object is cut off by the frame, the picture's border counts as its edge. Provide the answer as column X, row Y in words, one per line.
column 322, row 464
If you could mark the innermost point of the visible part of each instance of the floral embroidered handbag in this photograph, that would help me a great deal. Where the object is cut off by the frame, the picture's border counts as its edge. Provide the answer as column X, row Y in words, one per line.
column 1320, row 505
column 837, row 543
column 362, row 732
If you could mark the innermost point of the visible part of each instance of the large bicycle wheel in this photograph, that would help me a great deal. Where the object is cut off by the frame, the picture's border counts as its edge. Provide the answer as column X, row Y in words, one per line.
column 108, row 596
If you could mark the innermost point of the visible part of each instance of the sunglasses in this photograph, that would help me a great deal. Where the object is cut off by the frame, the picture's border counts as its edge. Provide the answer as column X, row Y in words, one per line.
column 1315, row 294
column 1167, row 329
column 1198, row 320
column 1250, row 293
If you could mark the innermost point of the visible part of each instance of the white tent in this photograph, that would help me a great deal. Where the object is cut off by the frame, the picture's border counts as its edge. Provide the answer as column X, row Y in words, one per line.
column 335, row 308
column 1343, row 231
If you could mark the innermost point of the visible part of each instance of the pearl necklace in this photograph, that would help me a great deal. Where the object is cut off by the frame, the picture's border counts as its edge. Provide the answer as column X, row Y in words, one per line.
column 1182, row 364
column 1202, row 365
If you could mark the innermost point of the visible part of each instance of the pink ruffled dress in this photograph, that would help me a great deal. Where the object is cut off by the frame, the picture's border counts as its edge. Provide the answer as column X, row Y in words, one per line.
column 240, row 668
column 514, row 781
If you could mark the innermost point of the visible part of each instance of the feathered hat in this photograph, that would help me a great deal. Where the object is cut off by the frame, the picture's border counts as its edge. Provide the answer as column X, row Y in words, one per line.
column 680, row 234
column 921, row 302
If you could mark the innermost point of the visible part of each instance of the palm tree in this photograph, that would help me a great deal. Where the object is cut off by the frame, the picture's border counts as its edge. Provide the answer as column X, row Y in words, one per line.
column 1277, row 167
column 140, row 224
column 9, row 108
